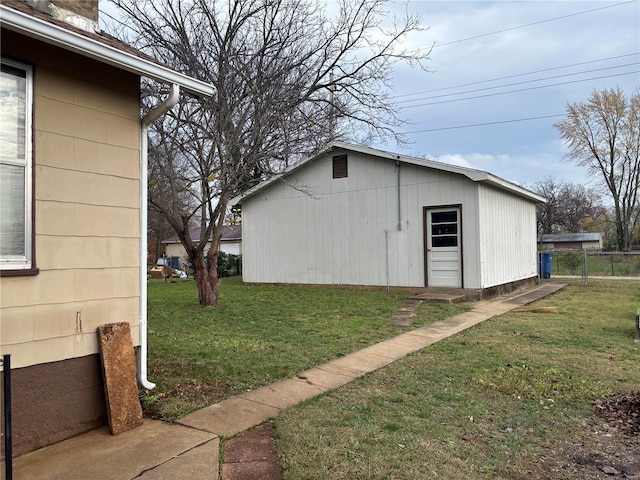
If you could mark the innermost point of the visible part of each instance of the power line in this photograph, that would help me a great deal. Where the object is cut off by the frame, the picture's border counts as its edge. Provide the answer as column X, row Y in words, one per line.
column 515, row 75
column 117, row 20
column 519, row 90
column 520, row 83
column 103, row 12
column 533, row 23
column 483, row 124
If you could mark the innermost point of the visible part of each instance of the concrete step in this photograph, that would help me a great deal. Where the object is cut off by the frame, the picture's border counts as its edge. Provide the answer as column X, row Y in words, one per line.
column 441, row 297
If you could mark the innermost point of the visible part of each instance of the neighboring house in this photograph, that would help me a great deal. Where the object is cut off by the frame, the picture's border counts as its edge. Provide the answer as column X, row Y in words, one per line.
column 72, row 209
column 579, row 241
column 352, row 215
column 230, row 243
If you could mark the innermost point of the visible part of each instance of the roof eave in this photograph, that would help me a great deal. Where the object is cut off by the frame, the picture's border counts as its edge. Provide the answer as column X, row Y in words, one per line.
column 53, row 34
column 513, row 188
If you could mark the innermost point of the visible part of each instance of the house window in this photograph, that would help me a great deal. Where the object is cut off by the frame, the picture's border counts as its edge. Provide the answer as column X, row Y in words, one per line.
column 16, row 82
column 340, row 167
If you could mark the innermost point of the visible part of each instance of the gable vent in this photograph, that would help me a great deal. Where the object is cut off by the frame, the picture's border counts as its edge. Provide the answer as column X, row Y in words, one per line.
column 340, row 166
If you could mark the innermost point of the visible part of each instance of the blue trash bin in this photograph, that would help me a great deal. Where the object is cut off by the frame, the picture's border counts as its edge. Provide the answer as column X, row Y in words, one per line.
column 545, row 264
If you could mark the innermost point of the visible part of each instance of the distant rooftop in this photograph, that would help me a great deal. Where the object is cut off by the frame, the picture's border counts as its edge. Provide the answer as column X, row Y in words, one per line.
column 229, row 234
column 570, row 237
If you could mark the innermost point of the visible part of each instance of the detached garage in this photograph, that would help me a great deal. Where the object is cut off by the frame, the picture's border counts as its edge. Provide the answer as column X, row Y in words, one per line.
column 353, row 215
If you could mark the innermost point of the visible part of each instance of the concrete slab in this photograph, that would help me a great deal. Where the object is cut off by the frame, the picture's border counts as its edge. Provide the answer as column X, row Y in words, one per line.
column 535, row 293
column 388, row 349
column 324, row 378
column 362, row 361
column 252, row 456
column 199, row 463
column 260, row 470
column 440, row 332
column 229, row 417
column 342, row 370
column 493, row 309
column 284, row 393
column 428, row 332
column 100, row 455
column 441, row 297
column 416, row 341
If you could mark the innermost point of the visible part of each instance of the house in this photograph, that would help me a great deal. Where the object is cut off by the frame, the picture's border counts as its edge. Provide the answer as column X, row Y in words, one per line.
column 73, row 210
column 579, row 241
column 230, row 243
column 351, row 215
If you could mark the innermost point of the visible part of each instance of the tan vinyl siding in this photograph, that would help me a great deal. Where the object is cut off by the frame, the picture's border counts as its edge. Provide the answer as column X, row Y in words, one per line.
column 86, row 160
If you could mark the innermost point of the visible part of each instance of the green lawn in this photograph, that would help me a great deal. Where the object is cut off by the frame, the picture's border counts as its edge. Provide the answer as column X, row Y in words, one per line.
column 491, row 402
column 255, row 336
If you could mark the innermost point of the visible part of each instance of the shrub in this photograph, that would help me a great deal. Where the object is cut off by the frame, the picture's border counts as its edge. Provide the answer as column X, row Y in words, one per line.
column 228, row 264
column 572, row 261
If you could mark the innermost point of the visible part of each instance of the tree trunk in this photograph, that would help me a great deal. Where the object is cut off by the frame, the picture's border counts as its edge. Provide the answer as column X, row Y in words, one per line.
column 207, row 289
column 620, row 226
column 212, row 273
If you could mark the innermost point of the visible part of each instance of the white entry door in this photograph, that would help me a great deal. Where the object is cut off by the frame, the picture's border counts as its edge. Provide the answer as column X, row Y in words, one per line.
column 443, row 244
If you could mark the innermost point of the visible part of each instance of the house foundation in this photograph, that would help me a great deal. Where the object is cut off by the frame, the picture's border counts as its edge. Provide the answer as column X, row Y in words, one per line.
column 55, row 401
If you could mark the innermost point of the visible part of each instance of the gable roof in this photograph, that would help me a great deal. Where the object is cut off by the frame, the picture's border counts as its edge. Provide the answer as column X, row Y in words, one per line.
column 470, row 173
column 22, row 18
column 230, row 233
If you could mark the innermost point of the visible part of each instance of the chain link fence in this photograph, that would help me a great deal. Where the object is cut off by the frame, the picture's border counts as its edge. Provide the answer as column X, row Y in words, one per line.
column 578, row 266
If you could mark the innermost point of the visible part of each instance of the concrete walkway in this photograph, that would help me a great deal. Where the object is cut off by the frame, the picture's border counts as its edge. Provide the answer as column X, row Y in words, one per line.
column 189, row 449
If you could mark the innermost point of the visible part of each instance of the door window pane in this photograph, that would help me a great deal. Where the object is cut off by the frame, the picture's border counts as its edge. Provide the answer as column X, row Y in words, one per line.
column 444, row 229
column 443, row 217
column 444, row 241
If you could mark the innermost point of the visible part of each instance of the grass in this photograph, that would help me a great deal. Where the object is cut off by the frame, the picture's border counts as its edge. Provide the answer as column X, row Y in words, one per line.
column 255, row 336
column 482, row 404
column 614, row 264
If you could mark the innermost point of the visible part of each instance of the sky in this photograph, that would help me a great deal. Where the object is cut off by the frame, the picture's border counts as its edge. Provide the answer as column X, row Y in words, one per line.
column 545, row 53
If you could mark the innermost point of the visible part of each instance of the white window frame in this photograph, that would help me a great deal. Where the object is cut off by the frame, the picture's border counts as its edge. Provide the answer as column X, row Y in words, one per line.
column 24, row 262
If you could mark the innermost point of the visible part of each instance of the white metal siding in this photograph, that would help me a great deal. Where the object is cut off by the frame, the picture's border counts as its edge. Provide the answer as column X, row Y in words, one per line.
column 334, row 232
column 507, row 237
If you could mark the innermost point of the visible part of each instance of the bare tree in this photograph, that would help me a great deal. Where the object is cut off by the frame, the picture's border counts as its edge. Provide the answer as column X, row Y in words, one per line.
column 158, row 229
column 603, row 134
column 570, row 208
column 288, row 77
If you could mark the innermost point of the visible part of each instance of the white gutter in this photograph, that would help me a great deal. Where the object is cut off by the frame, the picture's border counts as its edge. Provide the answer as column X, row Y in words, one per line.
column 93, row 48
column 149, row 118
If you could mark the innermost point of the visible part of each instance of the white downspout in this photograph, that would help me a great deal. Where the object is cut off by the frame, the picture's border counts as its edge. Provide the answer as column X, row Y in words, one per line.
column 399, row 200
column 148, row 119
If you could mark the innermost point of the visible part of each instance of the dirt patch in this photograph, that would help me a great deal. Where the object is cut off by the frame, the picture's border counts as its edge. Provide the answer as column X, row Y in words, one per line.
column 600, row 450
column 198, row 394
column 598, row 454
column 622, row 412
